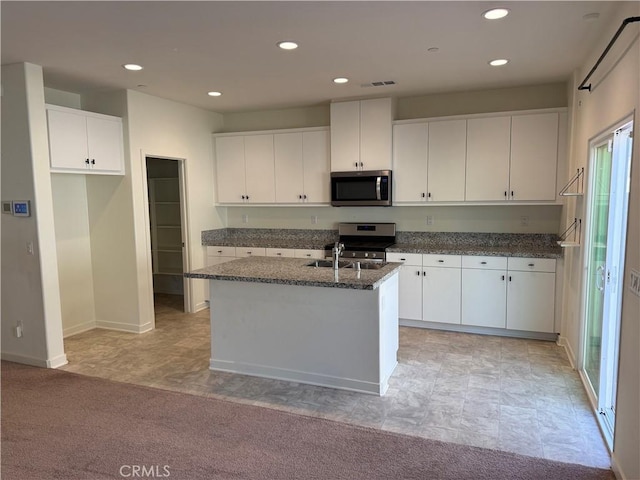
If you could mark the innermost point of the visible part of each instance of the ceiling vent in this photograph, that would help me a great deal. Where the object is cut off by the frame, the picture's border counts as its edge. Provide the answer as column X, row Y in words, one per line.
column 379, row 84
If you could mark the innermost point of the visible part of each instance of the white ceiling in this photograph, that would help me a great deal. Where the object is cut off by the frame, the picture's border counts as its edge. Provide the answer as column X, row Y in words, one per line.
column 190, row 48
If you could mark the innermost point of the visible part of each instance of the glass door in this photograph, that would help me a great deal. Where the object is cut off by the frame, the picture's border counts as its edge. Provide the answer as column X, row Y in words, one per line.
column 608, row 205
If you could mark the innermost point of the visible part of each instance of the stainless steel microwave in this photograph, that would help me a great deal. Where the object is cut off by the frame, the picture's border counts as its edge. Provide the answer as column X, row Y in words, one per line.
column 361, row 188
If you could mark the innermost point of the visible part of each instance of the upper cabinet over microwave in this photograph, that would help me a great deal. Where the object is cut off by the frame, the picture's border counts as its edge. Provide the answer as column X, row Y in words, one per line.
column 361, row 135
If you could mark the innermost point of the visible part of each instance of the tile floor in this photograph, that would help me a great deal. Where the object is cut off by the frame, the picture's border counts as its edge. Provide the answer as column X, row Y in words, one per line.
column 501, row 393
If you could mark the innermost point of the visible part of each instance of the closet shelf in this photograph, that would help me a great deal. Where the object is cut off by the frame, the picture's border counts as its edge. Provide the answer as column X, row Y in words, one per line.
column 578, row 181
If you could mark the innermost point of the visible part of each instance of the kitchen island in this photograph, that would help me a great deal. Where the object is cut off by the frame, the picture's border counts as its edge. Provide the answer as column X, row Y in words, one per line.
column 280, row 318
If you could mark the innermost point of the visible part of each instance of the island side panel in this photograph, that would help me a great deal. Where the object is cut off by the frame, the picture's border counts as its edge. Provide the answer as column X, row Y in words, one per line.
column 318, row 335
column 389, row 333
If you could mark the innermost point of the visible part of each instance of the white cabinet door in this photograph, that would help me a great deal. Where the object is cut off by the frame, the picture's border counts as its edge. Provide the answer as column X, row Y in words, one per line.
column 260, row 168
column 67, row 140
column 447, row 157
column 316, row 168
column 250, row 252
column 375, row 134
column 104, row 138
column 84, row 142
column 484, row 297
column 488, row 152
column 230, row 169
column 280, row 252
column 534, row 156
column 308, row 253
column 441, row 295
column 531, row 301
column 410, row 292
column 410, row 162
column 345, row 136
column 289, row 172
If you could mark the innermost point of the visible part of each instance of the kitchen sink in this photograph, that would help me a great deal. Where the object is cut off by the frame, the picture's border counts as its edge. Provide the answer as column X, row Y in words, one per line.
column 328, row 263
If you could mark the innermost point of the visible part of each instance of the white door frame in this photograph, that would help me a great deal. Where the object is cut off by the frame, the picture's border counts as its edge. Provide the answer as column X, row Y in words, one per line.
column 184, row 220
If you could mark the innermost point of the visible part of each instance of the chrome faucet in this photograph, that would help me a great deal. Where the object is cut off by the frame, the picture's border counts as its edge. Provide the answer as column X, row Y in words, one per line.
column 338, row 248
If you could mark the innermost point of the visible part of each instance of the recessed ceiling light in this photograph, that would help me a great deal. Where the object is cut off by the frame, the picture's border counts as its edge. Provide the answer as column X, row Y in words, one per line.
column 498, row 62
column 288, row 45
column 214, row 94
column 495, row 13
column 340, row 80
column 433, row 49
column 132, row 66
column 590, row 17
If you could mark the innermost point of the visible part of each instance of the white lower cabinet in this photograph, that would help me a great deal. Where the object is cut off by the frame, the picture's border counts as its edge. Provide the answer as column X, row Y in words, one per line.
column 477, row 291
column 219, row 254
column 484, row 291
column 429, row 287
column 308, row 253
column 531, row 294
column 280, row 252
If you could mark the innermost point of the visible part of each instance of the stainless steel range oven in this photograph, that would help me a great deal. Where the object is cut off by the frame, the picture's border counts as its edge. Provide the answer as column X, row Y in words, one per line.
column 364, row 241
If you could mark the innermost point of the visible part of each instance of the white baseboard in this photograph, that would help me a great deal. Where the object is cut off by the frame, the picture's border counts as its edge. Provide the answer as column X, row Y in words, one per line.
column 615, row 466
column 83, row 327
column 562, row 341
column 35, row 362
column 201, row 306
column 125, row 327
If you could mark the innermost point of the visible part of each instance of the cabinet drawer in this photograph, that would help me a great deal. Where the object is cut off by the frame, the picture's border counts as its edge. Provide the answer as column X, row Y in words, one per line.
column 279, row 252
column 485, row 262
column 435, row 260
column 532, row 264
column 406, row 258
column 216, row 251
column 306, row 253
column 250, row 252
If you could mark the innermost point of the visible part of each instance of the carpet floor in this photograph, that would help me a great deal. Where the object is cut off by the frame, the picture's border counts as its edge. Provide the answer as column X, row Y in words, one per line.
column 60, row 425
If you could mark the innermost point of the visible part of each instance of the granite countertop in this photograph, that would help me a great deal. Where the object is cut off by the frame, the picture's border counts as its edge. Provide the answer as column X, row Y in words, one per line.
column 515, row 250
column 294, row 271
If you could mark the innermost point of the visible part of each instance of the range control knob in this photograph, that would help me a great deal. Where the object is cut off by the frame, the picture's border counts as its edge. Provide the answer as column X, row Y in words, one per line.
column 366, row 254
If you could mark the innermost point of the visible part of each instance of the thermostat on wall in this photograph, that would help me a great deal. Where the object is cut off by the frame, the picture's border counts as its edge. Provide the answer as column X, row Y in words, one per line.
column 21, row 208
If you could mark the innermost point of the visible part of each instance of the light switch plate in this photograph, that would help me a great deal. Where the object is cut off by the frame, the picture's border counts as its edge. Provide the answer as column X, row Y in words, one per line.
column 7, row 207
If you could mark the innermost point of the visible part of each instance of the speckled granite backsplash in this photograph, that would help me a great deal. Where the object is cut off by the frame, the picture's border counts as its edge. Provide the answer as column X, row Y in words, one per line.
column 270, row 237
column 509, row 244
column 455, row 239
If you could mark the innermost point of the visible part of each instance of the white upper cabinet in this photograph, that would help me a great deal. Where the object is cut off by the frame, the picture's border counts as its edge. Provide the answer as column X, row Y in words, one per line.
column 534, row 157
column 260, row 169
column 447, row 156
column 512, row 158
column 302, row 167
column 410, row 162
column 488, row 151
column 361, row 135
column 273, row 168
column 230, row 169
column 84, row 142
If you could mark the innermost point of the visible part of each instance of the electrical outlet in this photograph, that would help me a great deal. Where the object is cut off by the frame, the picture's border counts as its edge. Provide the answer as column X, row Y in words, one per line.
column 314, row 219
column 245, row 218
column 429, row 219
column 17, row 330
column 634, row 282
column 524, row 221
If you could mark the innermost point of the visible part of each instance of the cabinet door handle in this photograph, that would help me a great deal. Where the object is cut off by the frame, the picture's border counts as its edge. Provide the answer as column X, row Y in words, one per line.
column 511, row 193
column 509, row 277
column 93, row 161
column 304, row 196
column 532, row 265
column 429, row 195
column 502, row 277
column 361, row 164
column 242, row 197
column 403, row 259
column 220, row 251
column 356, row 164
column 440, row 261
column 483, row 263
column 424, row 274
column 423, row 195
column 418, row 272
column 87, row 161
column 505, row 194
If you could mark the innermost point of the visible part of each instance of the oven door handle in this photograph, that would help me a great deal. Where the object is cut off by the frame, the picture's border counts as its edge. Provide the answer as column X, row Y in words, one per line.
column 378, row 193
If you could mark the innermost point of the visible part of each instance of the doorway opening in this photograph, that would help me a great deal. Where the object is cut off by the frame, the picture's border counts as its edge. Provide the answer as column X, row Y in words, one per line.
column 167, row 223
column 607, row 214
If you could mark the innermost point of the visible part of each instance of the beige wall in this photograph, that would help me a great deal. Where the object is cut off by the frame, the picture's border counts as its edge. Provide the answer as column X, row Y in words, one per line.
column 162, row 128
column 614, row 96
column 502, row 219
column 30, row 287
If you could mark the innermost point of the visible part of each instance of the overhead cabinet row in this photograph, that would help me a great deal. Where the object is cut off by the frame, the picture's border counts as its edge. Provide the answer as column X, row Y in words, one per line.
column 490, row 159
column 273, row 168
